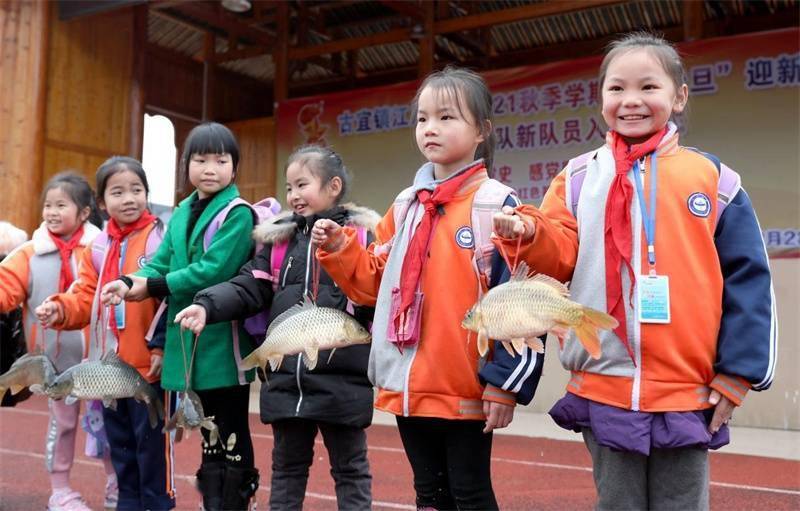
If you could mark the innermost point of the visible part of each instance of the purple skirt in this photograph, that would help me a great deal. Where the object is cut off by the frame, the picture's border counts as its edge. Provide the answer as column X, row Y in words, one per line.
column 627, row 430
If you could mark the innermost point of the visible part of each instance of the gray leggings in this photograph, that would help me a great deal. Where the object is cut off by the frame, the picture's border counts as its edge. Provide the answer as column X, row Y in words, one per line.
column 668, row 479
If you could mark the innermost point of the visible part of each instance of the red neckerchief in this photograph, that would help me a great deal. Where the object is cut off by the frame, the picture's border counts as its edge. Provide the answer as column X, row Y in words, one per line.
column 415, row 254
column 65, row 248
column 618, row 233
column 111, row 261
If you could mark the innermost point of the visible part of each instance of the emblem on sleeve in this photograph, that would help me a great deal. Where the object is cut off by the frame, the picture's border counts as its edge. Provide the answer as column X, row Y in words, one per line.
column 699, row 204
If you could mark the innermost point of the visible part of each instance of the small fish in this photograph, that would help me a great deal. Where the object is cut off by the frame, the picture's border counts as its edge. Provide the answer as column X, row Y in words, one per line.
column 32, row 370
column 306, row 328
column 190, row 415
column 517, row 312
column 107, row 380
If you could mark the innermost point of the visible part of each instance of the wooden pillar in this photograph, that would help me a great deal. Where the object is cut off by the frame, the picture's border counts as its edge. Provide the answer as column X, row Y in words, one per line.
column 280, row 56
column 692, row 19
column 209, row 48
column 137, row 98
column 427, row 43
column 24, row 28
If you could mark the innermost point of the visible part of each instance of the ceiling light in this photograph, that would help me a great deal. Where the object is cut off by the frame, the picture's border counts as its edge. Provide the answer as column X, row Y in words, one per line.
column 237, row 5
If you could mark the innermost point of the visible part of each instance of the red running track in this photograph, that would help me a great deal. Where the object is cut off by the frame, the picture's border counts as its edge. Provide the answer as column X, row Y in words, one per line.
column 529, row 473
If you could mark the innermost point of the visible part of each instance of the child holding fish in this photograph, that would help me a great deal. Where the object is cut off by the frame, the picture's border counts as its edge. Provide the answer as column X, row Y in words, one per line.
column 330, row 393
column 690, row 288
column 185, row 263
column 39, row 268
column 431, row 260
column 140, row 452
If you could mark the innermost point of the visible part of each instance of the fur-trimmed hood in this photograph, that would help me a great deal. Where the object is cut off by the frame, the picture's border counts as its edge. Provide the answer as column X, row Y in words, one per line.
column 283, row 226
column 42, row 244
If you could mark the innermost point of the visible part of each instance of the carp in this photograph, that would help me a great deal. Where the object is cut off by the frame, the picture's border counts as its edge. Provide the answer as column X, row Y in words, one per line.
column 32, row 370
column 190, row 415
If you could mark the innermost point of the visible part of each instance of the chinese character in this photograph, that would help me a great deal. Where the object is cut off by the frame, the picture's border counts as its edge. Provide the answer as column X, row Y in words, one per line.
column 536, row 172
column 575, row 94
column 528, row 100
column 526, row 136
column 552, row 168
column 345, row 121
column 759, row 74
column 400, row 116
column 364, row 120
column 522, row 193
column 504, row 138
column 572, row 131
column 788, row 68
column 773, row 237
column 504, row 174
column 702, row 80
column 551, row 96
column 547, row 133
column 594, row 98
column 594, row 131
column 723, row 68
column 382, row 118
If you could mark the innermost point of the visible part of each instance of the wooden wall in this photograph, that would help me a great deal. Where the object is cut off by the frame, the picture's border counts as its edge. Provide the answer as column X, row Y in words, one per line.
column 256, row 178
column 23, row 65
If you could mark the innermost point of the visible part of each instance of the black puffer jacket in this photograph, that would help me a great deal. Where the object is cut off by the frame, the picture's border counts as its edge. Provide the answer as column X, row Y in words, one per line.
column 337, row 392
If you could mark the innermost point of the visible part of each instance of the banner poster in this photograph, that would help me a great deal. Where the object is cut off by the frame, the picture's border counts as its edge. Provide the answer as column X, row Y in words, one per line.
column 744, row 102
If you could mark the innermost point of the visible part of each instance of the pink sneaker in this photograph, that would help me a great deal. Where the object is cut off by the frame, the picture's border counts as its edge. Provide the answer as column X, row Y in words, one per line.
column 66, row 499
column 112, row 493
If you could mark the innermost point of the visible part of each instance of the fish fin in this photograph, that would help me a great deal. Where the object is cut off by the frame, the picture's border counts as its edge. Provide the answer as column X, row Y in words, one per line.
column 483, row 343
column 509, row 348
column 213, row 437
column 178, row 435
column 535, row 344
column 547, row 280
column 186, row 432
column 70, row 400
column 519, row 345
column 110, row 402
column 330, row 356
column 310, row 355
column 36, row 388
column 152, row 414
column 275, row 362
column 291, row 311
column 560, row 330
column 520, row 272
column 16, row 389
column 231, row 443
column 250, row 361
column 586, row 331
column 2, row 393
column 172, row 423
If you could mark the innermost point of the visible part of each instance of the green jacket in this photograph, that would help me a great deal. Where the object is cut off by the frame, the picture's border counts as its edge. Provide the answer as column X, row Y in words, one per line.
column 188, row 268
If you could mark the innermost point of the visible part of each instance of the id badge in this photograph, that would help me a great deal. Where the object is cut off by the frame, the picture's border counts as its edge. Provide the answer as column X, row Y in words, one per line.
column 119, row 315
column 653, row 299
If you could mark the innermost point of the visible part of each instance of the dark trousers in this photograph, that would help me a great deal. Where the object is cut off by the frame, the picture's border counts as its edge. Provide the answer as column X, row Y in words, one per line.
column 141, row 455
column 230, row 408
column 293, row 453
column 451, row 461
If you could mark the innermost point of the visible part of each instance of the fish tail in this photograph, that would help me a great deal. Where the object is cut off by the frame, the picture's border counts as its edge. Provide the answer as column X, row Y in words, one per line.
column 586, row 331
column 172, row 423
column 2, row 392
column 249, row 362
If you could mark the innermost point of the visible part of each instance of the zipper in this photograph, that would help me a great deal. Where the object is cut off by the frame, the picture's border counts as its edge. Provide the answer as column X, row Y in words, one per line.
column 299, row 388
column 308, row 269
column 288, row 267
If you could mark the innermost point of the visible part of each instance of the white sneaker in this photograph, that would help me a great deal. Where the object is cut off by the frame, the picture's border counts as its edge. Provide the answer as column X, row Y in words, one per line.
column 66, row 500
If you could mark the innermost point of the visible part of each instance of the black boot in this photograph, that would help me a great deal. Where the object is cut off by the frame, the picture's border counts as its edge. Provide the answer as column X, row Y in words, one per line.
column 240, row 486
column 210, row 480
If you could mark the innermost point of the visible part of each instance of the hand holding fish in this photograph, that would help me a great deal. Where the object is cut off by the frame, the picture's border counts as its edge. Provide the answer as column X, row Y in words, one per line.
column 498, row 415
column 327, row 235
column 508, row 224
column 192, row 318
column 722, row 411
column 48, row 313
column 139, row 290
column 114, row 293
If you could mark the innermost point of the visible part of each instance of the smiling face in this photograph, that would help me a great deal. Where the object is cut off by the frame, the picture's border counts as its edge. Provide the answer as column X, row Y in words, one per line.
column 305, row 192
column 125, row 197
column 209, row 173
column 446, row 132
column 639, row 97
column 60, row 213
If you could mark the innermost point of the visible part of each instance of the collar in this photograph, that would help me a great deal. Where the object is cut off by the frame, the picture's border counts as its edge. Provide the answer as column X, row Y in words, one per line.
column 425, row 180
column 667, row 146
column 42, row 244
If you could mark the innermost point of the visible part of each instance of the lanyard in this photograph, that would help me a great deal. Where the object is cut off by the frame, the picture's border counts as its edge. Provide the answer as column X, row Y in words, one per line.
column 649, row 219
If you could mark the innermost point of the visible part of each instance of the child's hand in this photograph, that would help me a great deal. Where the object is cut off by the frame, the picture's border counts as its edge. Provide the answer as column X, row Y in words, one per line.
column 193, row 318
column 113, row 293
column 722, row 411
column 139, row 290
column 155, row 365
column 327, row 235
column 497, row 415
column 48, row 313
column 509, row 225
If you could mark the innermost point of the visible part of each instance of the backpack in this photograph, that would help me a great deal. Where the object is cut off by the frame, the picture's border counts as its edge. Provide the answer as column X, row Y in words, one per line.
column 727, row 187
column 255, row 325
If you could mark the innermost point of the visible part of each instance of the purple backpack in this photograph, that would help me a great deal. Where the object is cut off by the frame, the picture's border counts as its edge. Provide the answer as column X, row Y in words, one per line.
column 256, row 325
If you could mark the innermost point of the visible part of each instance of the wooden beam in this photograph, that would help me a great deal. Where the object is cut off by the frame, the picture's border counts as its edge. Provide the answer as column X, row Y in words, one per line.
column 137, row 95
column 227, row 22
column 280, row 56
column 406, row 8
column 208, row 76
column 692, row 14
column 352, row 43
column 427, row 45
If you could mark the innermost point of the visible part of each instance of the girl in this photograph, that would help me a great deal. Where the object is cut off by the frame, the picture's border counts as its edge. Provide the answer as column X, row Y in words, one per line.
column 334, row 398
column 140, row 454
column 184, row 264
column 423, row 274
column 37, row 269
column 693, row 297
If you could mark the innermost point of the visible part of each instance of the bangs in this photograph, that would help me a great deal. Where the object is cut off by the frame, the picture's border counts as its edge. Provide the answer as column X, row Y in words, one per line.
column 211, row 139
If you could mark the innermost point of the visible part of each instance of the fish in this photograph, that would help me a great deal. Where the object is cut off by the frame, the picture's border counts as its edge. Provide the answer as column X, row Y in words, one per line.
column 34, row 370
column 190, row 415
column 306, row 328
column 107, row 380
column 517, row 312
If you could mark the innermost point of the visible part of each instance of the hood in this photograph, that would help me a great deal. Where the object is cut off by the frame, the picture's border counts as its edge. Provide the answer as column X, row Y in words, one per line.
column 284, row 226
column 42, row 244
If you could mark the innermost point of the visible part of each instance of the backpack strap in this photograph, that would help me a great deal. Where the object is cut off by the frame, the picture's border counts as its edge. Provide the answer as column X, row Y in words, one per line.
column 99, row 246
column 276, row 257
column 487, row 201
column 576, row 173
column 219, row 219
